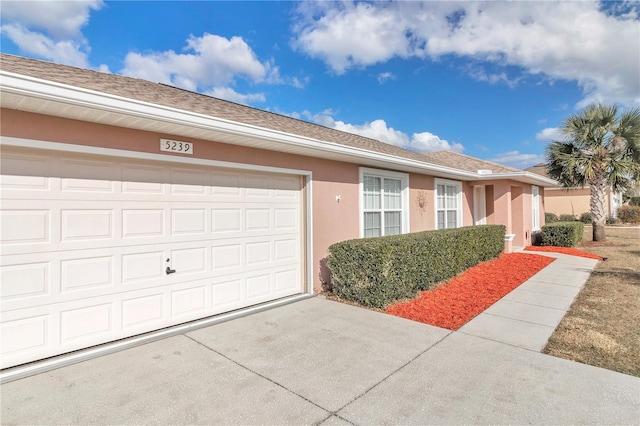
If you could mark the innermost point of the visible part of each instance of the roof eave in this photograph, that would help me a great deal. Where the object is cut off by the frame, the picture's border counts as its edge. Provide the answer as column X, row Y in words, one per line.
column 52, row 98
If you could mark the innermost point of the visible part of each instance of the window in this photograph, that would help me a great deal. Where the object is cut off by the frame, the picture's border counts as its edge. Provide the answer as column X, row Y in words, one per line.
column 383, row 203
column 448, row 204
column 535, row 207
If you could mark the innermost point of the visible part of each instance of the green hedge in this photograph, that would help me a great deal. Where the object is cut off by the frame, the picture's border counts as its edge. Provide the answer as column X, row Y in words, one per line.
column 550, row 217
column 378, row 271
column 562, row 234
column 585, row 218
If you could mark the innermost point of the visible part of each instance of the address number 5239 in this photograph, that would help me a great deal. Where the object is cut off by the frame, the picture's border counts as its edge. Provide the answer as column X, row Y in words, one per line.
column 176, row 146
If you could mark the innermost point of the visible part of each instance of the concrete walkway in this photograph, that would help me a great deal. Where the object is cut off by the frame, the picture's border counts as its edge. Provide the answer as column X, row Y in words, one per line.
column 322, row 362
column 528, row 315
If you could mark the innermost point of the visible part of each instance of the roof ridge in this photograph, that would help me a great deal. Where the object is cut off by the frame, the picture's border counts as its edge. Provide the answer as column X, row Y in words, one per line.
column 472, row 158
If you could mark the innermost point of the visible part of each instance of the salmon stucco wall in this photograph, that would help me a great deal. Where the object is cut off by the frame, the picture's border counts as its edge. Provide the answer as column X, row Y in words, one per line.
column 332, row 221
column 573, row 201
column 421, row 203
column 467, row 204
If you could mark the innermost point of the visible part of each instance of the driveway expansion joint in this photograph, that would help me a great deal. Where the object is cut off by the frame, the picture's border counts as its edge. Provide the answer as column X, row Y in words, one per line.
column 259, row 375
column 395, row 371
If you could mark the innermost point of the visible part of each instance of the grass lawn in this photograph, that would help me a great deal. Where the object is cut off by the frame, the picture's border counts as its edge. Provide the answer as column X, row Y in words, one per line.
column 602, row 328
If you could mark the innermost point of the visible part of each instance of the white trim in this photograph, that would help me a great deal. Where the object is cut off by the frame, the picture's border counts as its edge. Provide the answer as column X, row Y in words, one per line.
column 446, row 182
column 49, row 91
column 403, row 177
column 479, row 205
column 535, row 208
column 121, row 153
column 37, row 367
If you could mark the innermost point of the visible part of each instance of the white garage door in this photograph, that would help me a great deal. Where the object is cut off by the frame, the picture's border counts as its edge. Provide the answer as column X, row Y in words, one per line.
column 90, row 246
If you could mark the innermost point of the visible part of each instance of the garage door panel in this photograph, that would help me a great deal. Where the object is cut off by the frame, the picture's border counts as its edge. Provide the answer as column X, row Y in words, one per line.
column 190, row 303
column 143, row 310
column 24, row 226
column 24, row 281
column 87, row 273
column 287, row 281
column 88, row 176
column 86, row 243
column 140, row 180
column 87, row 224
column 24, row 335
column 188, row 221
column 189, row 261
column 87, row 323
column 138, row 223
column 25, row 173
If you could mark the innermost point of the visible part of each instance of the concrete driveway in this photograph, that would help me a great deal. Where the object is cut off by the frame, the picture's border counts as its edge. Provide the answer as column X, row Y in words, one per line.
column 322, row 362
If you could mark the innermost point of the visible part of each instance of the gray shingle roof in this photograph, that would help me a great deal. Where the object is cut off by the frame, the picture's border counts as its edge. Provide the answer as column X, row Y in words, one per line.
column 539, row 169
column 173, row 97
column 465, row 162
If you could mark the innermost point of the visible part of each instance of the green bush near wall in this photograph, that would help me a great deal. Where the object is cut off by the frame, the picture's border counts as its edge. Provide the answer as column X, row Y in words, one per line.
column 378, row 271
column 550, row 217
column 562, row 234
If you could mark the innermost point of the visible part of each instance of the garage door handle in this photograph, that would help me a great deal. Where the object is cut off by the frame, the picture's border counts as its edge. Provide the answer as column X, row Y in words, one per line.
column 170, row 271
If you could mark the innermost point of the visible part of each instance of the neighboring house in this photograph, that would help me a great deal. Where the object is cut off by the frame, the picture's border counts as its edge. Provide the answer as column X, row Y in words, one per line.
column 573, row 201
column 130, row 206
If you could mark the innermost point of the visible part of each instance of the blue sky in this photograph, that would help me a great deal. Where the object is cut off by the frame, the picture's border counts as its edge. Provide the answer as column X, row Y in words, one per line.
column 490, row 79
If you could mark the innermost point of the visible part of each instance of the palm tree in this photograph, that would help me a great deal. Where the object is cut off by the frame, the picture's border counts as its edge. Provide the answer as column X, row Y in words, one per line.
column 601, row 148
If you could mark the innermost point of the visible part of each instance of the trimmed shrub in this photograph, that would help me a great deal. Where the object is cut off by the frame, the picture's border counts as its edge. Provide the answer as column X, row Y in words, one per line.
column 611, row 220
column 562, row 234
column 378, row 271
column 629, row 214
column 634, row 201
column 550, row 217
column 585, row 217
column 567, row 217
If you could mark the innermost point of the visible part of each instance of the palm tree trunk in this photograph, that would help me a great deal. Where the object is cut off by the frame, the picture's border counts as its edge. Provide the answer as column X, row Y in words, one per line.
column 598, row 209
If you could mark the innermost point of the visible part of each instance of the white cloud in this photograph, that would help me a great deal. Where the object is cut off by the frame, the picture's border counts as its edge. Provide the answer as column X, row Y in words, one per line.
column 383, row 77
column 63, row 20
column 49, row 29
column 211, row 64
column 549, row 134
column 69, row 52
column 427, row 142
column 350, row 35
column 214, row 61
column 379, row 130
column 231, row 95
column 517, row 159
column 573, row 41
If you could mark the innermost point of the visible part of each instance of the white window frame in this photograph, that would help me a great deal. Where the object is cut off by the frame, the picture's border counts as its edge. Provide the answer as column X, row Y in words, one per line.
column 479, row 205
column 458, row 186
column 404, row 194
column 535, row 207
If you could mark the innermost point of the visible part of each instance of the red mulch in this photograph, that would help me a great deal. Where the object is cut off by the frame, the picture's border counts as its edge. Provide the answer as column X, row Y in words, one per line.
column 454, row 303
column 564, row 250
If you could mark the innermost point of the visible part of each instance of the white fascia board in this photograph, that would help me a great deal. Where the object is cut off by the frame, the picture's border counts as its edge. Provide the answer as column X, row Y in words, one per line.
column 526, row 177
column 71, row 95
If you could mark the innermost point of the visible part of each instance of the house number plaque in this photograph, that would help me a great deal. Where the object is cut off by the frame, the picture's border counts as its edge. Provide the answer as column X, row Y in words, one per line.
column 176, row 146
